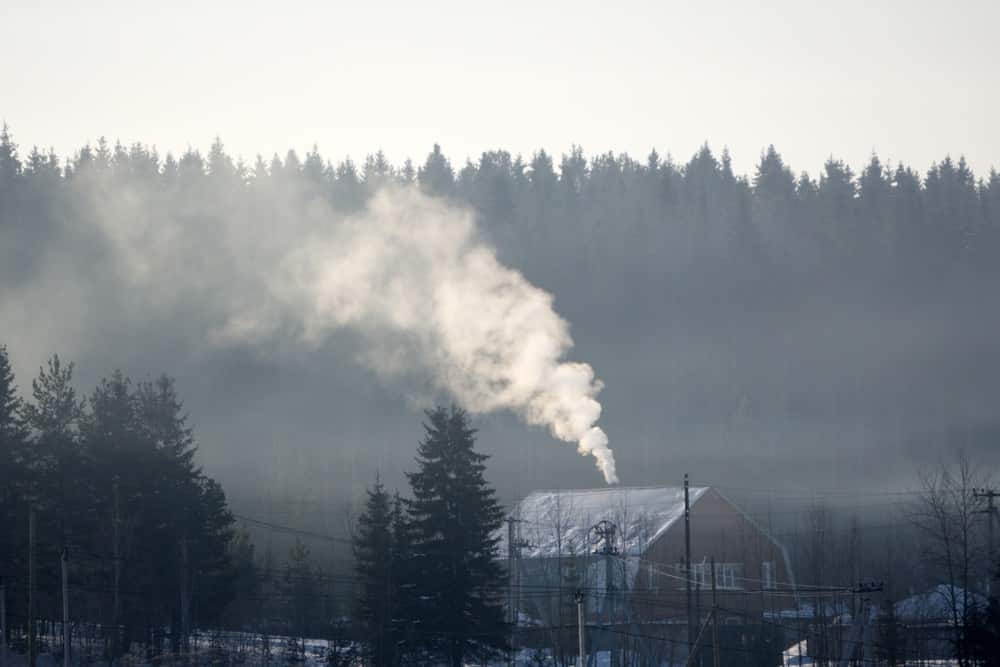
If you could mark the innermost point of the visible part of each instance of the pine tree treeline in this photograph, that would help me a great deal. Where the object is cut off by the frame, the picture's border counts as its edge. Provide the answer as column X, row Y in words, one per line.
column 111, row 479
column 684, row 251
column 608, row 211
column 427, row 568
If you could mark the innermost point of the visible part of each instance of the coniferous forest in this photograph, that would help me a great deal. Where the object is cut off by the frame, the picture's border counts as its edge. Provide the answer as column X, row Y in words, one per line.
column 844, row 320
column 821, row 315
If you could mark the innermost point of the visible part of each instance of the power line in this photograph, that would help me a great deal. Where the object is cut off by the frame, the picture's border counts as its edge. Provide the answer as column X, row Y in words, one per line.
column 290, row 530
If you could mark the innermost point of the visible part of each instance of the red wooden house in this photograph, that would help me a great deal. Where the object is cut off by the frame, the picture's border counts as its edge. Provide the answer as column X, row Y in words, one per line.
column 624, row 549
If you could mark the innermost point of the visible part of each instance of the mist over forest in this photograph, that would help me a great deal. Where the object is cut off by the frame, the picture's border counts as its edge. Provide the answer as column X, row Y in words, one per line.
column 771, row 330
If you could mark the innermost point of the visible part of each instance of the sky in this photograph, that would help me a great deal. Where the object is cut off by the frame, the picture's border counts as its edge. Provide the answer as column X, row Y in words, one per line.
column 914, row 81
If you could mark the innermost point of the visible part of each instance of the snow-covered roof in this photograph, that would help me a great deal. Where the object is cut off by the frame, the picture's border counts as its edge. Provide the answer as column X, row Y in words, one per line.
column 936, row 604
column 559, row 522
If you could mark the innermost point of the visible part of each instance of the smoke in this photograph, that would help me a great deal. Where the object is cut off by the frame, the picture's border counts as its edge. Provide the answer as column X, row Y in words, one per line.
column 411, row 275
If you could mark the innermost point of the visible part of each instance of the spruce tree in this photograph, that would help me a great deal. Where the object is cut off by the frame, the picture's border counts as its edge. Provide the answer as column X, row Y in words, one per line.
column 10, row 165
column 457, row 612
column 174, row 528
column 404, row 577
column 61, row 490
column 373, row 560
column 437, row 177
column 13, row 468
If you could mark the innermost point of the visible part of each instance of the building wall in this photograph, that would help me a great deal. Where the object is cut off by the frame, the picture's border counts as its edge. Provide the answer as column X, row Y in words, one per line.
column 722, row 532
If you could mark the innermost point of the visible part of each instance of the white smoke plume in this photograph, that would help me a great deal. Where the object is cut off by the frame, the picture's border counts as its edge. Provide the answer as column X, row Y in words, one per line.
column 411, row 270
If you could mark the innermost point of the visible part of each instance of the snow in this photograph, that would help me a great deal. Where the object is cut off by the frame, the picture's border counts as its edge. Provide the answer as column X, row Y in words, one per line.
column 797, row 655
column 936, row 604
column 559, row 522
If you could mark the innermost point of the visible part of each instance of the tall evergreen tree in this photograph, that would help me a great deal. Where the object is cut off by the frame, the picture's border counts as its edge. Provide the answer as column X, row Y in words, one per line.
column 13, row 468
column 167, row 523
column 61, row 485
column 453, row 514
column 10, row 165
column 437, row 176
column 373, row 558
column 404, row 571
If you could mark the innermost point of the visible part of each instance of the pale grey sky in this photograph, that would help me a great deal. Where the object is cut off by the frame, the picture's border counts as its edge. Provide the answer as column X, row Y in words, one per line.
column 912, row 80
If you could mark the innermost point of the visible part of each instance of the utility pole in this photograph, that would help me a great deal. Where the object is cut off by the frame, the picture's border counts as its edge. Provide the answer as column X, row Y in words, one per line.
column 691, row 655
column 511, row 612
column 715, row 619
column 511, row 617
column 609, row 598
column 3, row 623
column 603, row 534
column 991, row 512
column 116, row 602
column 687, row 562
column 185, row 598
column 697, row 606
column 581, row 649
column 31, row 589
column 514, row 545
column 858, row 623
column 64, row 561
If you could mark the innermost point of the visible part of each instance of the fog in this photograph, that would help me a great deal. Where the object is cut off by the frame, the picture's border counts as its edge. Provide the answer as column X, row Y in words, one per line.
column 757, row 332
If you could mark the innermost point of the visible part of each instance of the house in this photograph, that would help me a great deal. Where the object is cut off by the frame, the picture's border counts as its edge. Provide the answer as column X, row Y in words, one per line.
column 938, row 606
column 923, row 626
column 624, row 550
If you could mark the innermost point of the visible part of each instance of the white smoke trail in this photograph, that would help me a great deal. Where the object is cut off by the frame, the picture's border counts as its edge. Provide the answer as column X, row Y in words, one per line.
column 411, row 267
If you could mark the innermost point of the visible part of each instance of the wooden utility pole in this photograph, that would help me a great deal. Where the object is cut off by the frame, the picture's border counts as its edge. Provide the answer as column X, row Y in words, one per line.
column 691, row 655
column 511, row 611
column 3, row 623
column 854, row 641
column 581, row 648
column 715, row 618
column 609, row 604
column 697, row 603
column 116, row 601
column 185, row 598
column 991, row 512
column 64, row 561
column 687, row 563
column 31, row 589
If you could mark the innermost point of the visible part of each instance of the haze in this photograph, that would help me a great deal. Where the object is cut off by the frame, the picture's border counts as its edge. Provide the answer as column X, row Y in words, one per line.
column 783, row 383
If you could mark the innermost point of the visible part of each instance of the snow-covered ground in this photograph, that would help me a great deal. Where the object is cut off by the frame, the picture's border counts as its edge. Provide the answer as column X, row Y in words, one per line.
column 247, row 649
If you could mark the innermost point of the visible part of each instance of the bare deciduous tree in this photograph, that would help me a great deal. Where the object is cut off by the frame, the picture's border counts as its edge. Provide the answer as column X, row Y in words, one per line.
column 948, row 514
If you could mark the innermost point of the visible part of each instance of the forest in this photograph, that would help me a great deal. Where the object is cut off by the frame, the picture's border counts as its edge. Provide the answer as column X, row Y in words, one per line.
column 825, row 319
column 104, row 492
column 778, row 333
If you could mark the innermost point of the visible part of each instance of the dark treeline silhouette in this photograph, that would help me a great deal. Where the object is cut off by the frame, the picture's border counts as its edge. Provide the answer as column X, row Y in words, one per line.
column 110, row 481
column 154, row 557
column 429, row 584
column 659, row 217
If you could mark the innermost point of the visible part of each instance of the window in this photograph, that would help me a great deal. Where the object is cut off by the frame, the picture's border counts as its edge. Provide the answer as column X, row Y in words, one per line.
column 700, row 576
column 767, row 574
column 727, row 575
